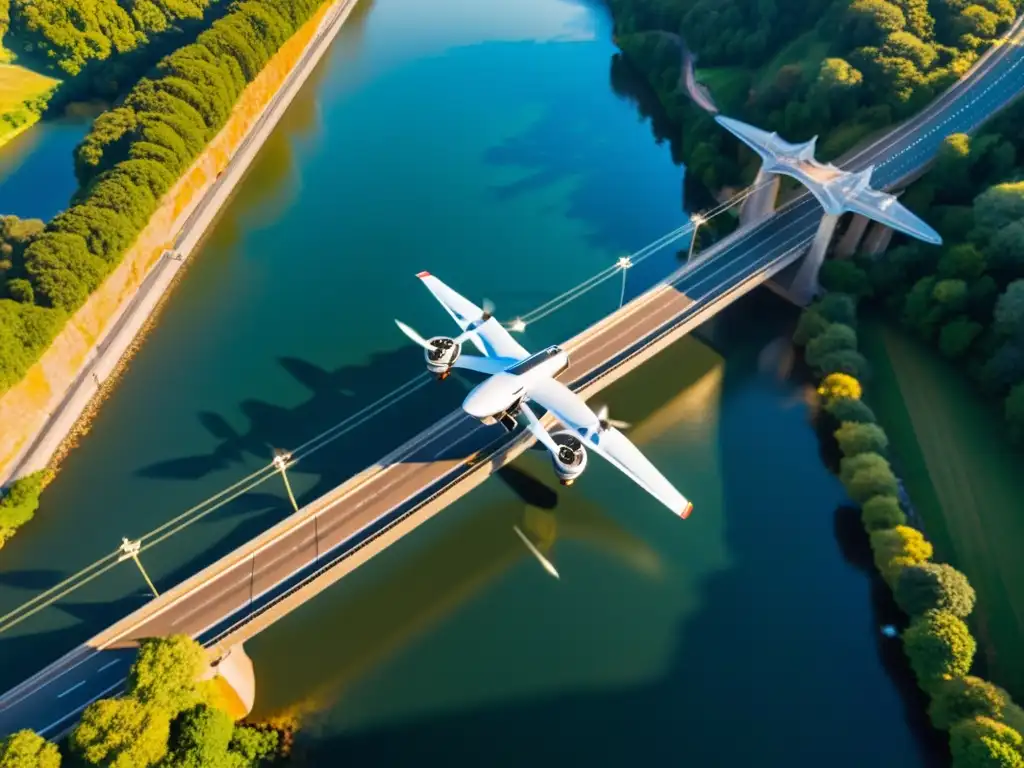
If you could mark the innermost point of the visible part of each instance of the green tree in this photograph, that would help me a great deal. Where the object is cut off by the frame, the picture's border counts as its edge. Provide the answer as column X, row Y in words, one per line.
column 810, row 325
column 121, row 733
column 896, row 548
column 998, row 206
column 939, row 646
column 957, row 335
column 844, row 276
column 201, row 738
column 848, row 361
column 837, row 308
column 1014, row 412
column 27, row 749
column 845, row 409
column 254, row 744
column 1009, row 310
column 963, row 698
column 985, row 743
column 20, row 502
column 166, row 671
column 934, row 586
column 836, row 338
column 962, row 261
column 867, row 474
column 952, row 169
column 881, row 512
column 854, row 438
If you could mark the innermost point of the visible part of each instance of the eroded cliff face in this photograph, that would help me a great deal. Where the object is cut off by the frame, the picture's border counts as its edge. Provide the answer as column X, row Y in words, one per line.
column 25, row 408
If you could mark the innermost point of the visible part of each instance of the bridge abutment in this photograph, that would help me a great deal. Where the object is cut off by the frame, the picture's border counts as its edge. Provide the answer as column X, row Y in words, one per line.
column 235, row 677
column 877, row 239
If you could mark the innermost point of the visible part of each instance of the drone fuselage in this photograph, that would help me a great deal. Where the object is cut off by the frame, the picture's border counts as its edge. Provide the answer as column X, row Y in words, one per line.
column 498, row 399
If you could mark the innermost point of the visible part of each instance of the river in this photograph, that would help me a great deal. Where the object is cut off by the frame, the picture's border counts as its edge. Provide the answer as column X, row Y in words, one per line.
column 484, row 141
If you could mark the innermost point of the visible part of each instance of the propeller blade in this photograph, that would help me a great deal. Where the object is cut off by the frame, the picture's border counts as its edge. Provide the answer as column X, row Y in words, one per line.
column 536, row 553
column 488, row 307
column 412, row 335
column 538, row 431
column 606, row 421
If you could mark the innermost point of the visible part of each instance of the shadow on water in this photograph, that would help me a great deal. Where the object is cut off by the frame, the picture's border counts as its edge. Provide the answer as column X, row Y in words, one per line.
column 255, row 513
column 338, row 396
column 765, row 632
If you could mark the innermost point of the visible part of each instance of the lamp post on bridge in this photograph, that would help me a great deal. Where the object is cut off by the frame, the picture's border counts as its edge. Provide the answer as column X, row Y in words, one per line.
column 281, row 460
column 130, row 550
column 697, row 220
column 624, row 263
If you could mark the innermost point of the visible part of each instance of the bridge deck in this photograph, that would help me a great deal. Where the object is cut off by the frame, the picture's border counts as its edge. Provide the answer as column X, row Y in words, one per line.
column 251, row 587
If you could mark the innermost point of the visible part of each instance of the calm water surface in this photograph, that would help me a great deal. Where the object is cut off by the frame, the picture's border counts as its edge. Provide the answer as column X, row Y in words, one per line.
column 484, row 142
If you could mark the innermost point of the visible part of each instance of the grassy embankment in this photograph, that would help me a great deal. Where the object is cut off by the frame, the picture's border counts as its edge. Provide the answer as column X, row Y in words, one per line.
column 19, row 85
column 964, row 479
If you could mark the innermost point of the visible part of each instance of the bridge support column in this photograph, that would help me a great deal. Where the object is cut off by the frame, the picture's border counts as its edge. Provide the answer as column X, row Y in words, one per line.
column 762, row 202
column 805, row 284
column 877, row 239
column 850, row 241
column 235, row 677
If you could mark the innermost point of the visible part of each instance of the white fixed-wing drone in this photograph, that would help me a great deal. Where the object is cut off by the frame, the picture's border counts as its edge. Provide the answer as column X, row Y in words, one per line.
column 515, row 377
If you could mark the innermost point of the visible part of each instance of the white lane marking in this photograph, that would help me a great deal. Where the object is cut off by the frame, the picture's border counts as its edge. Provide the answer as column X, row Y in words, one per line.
column 74, row 687
column 108, row 665
column 42, row 731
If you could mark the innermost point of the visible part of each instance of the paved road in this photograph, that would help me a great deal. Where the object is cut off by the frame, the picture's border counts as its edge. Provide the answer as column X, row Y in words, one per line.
column 249, row 583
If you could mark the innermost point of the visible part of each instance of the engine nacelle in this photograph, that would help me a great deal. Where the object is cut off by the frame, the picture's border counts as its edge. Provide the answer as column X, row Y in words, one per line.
column 571, row 459
column 445, row 351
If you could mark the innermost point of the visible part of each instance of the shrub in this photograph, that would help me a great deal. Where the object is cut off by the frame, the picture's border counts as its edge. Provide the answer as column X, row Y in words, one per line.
column 881, row 512
column 985, row 743
column 26, row 749
column 963, row 698
column 201, row 738
column 837, row 386
column 847, row 409
column 837, row 308
column 939, row 646
column 121, row 732
column 934, row 586
column 810, row 325
column 20, row 290
column 866, row 475
column 856, row 438
column 20, row 503
column 255, row 744
column 848, row 361
column 844, row 276
column 896, row 548
column 165, row 673
column 835, row 338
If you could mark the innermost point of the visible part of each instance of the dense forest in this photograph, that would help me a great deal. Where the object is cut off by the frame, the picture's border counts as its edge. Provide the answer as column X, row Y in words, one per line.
column 131, row 157
column 839, row 68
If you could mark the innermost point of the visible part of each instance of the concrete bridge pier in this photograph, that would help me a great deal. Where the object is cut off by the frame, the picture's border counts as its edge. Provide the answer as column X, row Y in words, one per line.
column 233, row 672
column 761, row 203
column 877, row 239
column 850, row 241
column 805, row 284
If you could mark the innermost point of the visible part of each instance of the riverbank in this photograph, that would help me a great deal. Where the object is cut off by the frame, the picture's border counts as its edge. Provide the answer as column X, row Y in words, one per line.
column 43, row 415
column 964, row 478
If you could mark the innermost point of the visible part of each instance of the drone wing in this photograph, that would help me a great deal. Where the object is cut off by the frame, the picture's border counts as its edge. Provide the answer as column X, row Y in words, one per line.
column 490, row 338
column 570, row 409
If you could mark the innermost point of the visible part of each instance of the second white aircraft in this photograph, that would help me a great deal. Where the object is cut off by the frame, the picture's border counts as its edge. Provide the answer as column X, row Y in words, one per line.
column 515, row 377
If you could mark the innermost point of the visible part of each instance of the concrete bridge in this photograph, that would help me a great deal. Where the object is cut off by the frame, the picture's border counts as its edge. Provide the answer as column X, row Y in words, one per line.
column 238, row 596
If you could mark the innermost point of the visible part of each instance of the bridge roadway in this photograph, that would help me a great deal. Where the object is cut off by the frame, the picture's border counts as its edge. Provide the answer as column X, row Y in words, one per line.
column 250, row 588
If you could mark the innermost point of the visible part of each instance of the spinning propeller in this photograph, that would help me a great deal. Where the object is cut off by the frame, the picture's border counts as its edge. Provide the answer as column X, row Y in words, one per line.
column 471, row 329
column 605, row 422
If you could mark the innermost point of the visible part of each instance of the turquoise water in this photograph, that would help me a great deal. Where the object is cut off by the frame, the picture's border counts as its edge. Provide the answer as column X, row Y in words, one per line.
column 483, row 141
